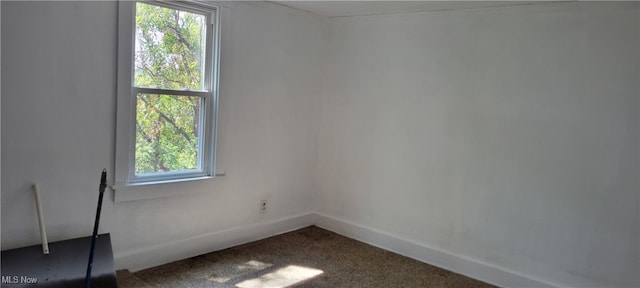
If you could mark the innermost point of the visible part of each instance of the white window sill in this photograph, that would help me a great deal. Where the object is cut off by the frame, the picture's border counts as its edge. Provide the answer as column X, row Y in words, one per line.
column 166, row 188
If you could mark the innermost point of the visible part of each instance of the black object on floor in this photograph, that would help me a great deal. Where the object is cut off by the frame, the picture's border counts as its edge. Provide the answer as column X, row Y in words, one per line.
column 94, row 236
column 64, row 267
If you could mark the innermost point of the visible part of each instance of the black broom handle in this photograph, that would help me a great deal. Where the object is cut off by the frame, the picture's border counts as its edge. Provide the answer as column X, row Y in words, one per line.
column 103, row 185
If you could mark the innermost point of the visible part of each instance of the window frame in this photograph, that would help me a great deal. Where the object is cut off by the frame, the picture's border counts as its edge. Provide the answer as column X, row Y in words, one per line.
column 127, row 97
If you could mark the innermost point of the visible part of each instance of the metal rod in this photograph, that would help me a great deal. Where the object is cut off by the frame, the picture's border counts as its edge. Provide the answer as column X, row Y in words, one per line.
column 103, row 185
column 43, row 231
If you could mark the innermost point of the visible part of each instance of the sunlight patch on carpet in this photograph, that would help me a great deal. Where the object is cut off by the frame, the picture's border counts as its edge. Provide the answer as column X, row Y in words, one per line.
column 283, row 277
column 237, row 270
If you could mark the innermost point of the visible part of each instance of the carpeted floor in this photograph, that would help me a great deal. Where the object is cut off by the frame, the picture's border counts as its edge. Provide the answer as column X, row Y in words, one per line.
column 309, row 257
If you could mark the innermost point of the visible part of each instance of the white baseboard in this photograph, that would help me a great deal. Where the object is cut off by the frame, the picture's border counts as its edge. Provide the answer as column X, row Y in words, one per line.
column 459, row 264
column 147, row 257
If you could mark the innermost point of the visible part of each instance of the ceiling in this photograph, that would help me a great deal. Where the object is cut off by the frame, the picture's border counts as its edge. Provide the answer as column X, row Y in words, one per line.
column 361, row 8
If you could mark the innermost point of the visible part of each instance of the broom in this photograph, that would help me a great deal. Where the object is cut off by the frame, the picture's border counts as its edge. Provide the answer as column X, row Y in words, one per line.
column 103, row 185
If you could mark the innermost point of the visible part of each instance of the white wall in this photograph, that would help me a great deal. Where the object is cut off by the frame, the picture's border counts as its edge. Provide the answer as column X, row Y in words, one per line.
column 58, row 121
column 504, row 137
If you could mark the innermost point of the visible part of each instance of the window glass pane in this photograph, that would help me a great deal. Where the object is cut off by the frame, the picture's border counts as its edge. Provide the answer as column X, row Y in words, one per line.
column 167, row 133
column 169, row 48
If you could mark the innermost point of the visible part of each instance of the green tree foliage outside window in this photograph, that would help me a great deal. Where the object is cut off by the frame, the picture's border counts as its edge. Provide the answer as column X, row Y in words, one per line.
column 169, row 55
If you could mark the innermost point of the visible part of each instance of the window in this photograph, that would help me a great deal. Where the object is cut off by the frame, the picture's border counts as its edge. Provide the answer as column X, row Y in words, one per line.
column 167, row 91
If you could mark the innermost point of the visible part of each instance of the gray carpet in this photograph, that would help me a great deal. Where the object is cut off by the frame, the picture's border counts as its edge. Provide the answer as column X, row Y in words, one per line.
column 309, row 257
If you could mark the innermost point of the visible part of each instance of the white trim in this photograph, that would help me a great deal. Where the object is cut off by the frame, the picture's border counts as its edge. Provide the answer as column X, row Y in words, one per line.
column 126, row 95
column 424, row 253
column 159, row 189
column 124, row 105
column 192, row 93
column 154, row 255
column 215, row 87
column 196, row 7
column 138, row 259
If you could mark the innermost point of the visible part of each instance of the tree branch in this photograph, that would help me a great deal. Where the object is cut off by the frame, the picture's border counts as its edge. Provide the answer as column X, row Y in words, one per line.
column 169, row 120
column 148, row 70
column 144, row 135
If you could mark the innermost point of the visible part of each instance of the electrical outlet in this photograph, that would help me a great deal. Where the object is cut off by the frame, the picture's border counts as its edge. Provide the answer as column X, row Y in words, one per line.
column 263, row 206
